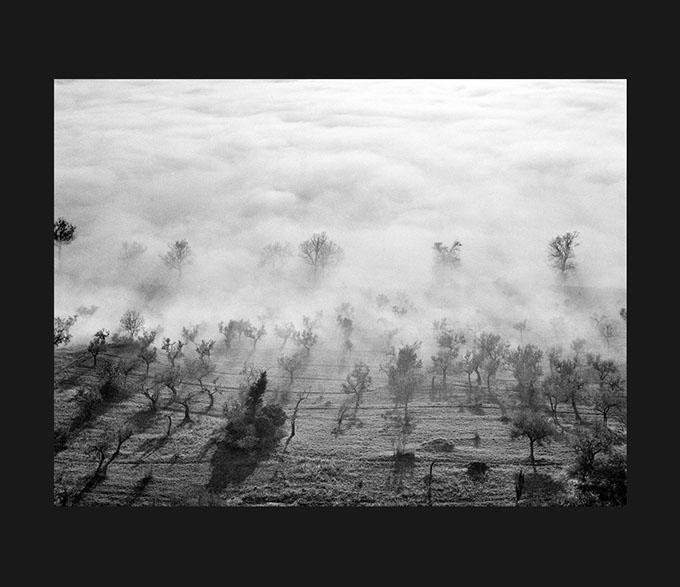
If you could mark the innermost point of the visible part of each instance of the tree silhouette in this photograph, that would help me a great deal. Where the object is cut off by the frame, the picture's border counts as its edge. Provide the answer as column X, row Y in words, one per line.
column 561, row 252
column 177, row 256
column 320, row 253
column 64, row 234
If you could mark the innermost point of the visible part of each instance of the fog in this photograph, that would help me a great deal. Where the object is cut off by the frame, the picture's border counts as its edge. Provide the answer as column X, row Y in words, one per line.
column 384, row 167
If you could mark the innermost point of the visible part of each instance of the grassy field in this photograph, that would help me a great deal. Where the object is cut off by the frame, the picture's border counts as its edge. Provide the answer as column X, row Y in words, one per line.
column 354, row 468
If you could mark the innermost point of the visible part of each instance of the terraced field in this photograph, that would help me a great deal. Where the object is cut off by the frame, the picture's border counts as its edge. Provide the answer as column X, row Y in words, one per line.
column 354, row 468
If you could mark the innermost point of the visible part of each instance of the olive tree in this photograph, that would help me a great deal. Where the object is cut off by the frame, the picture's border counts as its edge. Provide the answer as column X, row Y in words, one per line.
column 404, row 375
column 561, row 252
column 320, row 253
column 291, row 363
column 492, row 351
column 610, row 395
column 229, row 332
column 535, row 427
column 190, row 334
column 204, row 348
column 97, row 344
column 173, row 349
column 357, row 383
column 284, row 331
column 62, row 328
column 306, row 338
column 254, row 333
column 525, row 363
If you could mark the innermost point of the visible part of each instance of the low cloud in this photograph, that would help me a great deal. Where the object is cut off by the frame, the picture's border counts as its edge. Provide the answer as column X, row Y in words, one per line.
column 385, row 167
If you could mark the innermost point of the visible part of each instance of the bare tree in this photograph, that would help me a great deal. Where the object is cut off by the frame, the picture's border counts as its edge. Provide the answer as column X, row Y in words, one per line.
column 64, row 234
column 132, row 322
column 293, row 418
column 561, row 252
column 275, row 255
column 320, row 253
column 62, row 327
column 177, row 256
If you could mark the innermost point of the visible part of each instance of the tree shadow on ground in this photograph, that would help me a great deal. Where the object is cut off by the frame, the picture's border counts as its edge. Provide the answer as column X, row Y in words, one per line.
column 138, row 489
column 231, row 466
column 143, row 420
column 403, row 467
column 541, row 489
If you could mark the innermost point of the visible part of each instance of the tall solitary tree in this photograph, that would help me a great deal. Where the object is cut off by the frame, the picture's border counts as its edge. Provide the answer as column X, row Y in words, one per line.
column 177, row 256
column 320, row 253
column 64, row 234
column 561, row 252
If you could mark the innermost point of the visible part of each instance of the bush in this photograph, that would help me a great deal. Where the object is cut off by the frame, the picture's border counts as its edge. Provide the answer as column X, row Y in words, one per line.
column 605, row 482
column 252, row 426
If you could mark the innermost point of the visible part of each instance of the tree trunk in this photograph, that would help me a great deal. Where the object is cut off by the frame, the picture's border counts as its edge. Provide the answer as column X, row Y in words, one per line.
column 573, row 405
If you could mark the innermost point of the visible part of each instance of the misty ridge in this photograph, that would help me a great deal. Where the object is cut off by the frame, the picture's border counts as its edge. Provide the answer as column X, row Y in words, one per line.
column 384, row 168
